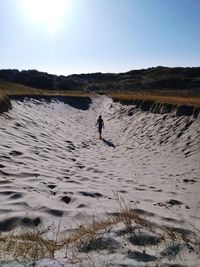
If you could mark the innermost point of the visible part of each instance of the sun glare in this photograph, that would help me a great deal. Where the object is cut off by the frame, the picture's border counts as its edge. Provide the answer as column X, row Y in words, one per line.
column 47, row 13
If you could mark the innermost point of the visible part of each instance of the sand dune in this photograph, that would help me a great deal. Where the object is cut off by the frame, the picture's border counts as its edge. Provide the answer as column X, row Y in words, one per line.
column 52, row 164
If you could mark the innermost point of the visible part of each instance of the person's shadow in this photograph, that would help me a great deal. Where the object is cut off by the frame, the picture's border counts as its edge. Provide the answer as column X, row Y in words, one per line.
column 109, row 143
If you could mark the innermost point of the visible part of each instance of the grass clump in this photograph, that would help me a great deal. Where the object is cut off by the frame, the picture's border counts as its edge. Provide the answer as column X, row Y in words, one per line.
column 26, row 245
column 156, row 240
column 90, row 231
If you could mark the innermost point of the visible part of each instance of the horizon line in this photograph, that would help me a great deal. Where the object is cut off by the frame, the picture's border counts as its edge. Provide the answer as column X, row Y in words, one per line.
column 89, row 73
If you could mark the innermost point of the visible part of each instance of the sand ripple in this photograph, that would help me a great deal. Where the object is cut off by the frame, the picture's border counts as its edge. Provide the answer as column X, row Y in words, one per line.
column 53, row 165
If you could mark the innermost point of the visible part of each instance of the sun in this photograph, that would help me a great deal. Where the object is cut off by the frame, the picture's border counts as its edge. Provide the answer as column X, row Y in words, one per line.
column 45, row 12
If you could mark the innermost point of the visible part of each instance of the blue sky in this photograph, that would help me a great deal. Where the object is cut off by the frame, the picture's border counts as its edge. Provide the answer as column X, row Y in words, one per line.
column 84, row 36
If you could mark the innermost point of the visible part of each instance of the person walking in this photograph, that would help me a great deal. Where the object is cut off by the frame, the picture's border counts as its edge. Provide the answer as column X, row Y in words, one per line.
column 100, row 124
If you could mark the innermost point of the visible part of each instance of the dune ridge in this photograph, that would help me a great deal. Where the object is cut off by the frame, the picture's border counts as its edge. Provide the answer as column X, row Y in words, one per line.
column 162, row 107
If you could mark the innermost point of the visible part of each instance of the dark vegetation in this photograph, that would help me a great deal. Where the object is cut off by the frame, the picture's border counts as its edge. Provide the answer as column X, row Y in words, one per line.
column 36, row 79
column 159, row 78
column 5, row 104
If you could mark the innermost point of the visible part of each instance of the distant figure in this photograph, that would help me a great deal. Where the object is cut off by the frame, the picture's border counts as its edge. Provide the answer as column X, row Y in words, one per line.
column 100, row 124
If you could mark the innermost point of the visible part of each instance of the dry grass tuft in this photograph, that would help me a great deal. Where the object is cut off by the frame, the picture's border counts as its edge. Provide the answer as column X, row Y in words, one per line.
column 27, row 245
column 90, row 231
column 128, row 216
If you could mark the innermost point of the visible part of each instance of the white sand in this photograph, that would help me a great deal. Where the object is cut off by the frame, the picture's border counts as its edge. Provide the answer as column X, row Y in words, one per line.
column 52, row 166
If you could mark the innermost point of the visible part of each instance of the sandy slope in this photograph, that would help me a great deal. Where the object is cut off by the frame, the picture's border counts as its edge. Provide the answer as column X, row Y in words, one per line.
column 53, row 165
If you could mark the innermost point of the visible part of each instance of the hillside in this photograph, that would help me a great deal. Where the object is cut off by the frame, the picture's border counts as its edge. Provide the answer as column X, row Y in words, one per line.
column 159, row 78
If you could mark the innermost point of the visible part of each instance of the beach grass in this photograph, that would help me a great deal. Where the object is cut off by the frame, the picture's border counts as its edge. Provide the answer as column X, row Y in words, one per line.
column 170, row 97
column 10, row 89
column 25, row 245
column 179, row 97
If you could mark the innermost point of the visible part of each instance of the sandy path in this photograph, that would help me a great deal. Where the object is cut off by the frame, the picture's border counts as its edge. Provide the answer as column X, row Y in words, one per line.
column 53, row 165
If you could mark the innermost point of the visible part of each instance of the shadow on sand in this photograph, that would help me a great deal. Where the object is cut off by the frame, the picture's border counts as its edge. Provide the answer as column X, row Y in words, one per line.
column 109, row 143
